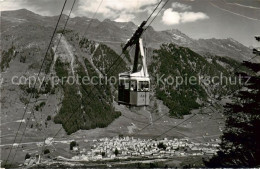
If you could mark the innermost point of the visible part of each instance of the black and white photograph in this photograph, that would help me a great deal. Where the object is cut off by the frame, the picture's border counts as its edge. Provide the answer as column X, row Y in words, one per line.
column 129, row 84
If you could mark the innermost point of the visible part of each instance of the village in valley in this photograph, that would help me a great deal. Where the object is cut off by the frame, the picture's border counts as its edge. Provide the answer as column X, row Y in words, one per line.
column 123, row 148
column 129, row 147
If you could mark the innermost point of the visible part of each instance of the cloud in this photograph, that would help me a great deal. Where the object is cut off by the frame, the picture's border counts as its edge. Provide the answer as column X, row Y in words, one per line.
column 192, row 16
column 171, row 17
column 42, row 7
column 118, row 10
column 179, row 13
column 177, row 5
column 11, row 5
column 125, row 18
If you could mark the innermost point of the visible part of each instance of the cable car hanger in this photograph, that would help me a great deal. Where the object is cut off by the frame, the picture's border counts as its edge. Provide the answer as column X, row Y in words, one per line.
column 134, row 86
column 137, row 41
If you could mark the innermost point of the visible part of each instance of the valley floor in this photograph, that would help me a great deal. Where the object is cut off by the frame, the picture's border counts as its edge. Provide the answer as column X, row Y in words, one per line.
column 205, row 127
column 134, row 163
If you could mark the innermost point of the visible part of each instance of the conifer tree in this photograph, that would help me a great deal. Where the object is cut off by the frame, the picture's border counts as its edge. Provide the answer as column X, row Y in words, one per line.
column 240, row 143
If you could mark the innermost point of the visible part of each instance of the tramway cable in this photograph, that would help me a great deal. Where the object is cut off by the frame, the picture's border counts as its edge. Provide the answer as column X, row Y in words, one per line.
column 31, row 94
column 92, row 90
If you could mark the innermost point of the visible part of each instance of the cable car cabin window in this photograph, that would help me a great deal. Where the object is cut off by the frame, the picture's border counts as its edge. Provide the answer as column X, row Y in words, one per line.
column 133, row 86
column 121, row 84
column 126, row 85
column 143, row 86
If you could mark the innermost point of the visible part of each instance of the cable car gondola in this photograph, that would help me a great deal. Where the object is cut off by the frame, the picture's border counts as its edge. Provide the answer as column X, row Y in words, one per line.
column 134, row 86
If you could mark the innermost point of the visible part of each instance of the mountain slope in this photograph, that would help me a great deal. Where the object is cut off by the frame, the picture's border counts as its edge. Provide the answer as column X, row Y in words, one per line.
column 186, row 83
column 25, row 37
column 86, row 105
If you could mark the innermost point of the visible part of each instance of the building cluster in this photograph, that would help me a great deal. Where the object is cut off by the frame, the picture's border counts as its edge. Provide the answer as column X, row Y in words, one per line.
column 129, row 147
column 32, row 160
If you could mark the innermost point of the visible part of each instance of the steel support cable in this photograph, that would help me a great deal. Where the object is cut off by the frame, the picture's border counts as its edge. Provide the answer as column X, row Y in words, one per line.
column 82, row 87
column 158, row 13
column 109, row 67
column 132, row 46
column 164, row 114
column 94, row 15
column 150, row 22
column 119, row 63
column 122, row 52
column 208, row 106
column 56, row 49
column 35, row 83
column 71, row 115
column 85, row 65
column 175, row 126
column 211, row 104
column 154, row 10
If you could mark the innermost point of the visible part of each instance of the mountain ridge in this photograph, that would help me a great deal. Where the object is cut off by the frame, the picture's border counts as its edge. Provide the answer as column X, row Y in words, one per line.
column 112, row 32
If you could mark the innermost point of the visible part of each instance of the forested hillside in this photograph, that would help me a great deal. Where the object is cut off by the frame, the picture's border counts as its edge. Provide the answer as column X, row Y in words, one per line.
column 171, row 62
column 88, row 105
